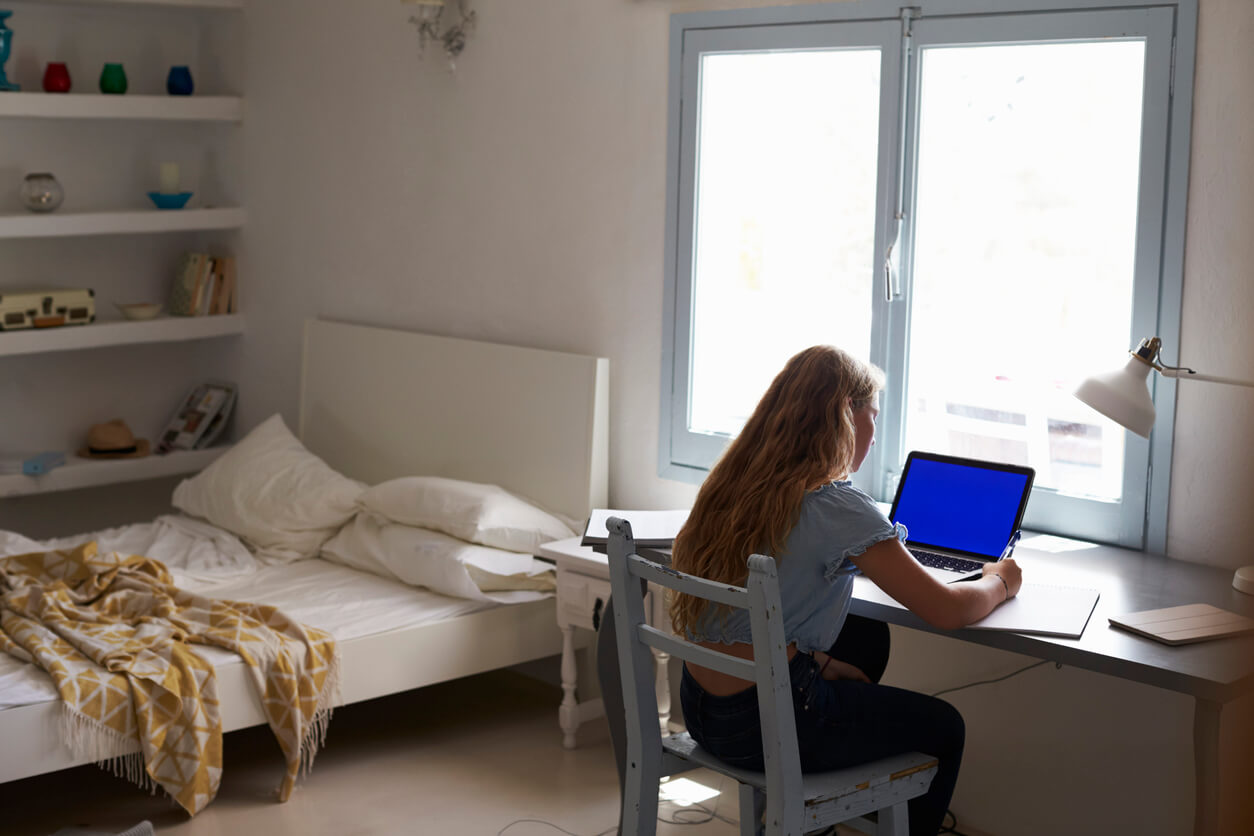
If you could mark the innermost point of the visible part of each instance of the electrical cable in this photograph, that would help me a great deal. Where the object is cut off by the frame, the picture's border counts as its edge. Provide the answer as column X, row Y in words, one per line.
column 998, row 679
column 950, row 828
column 710, row 814
column 674, row 818
column 953, row 828
column 613, row 829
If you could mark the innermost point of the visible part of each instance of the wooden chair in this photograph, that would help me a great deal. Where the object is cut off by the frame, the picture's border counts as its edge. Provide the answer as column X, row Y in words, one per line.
column 779, row 800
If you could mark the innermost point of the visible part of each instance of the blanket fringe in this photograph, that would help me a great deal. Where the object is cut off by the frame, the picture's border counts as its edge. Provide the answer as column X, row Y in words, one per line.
column 89, row 740
column 316, row 735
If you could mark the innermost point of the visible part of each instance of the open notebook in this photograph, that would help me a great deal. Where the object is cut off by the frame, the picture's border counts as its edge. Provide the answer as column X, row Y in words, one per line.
column 1043, row 610
column 1039, row 609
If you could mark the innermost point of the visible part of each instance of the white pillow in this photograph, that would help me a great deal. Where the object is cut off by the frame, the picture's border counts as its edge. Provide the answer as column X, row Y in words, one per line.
column 268, row 489
column 420, row 557
column 484, row 514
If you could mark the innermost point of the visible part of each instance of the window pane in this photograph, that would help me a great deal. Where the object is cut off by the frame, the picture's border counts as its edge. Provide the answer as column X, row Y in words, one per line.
column 1024, row 251
column 785, row 219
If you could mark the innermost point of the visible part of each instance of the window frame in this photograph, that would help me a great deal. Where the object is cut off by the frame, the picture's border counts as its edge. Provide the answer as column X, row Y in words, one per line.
column 1142, row 521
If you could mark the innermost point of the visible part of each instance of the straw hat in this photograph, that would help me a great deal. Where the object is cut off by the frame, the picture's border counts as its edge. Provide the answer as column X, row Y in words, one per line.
column 113, row 440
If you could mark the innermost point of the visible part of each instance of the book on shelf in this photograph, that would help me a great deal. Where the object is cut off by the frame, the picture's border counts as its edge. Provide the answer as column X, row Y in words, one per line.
column 203, row 285
column 200, row 418
column 656, row 529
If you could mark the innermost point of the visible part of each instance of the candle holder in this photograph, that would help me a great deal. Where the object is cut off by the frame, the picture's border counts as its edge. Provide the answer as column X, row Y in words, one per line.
column 113, row 79
column 57, row 78
column 179, row 81
column 41, row 192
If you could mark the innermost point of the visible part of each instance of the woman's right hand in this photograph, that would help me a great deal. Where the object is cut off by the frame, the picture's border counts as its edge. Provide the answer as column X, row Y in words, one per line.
column 1009, row 572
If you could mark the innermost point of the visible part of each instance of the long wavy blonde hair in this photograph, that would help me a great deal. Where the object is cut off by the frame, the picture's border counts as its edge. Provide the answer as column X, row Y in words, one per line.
column 800, row 436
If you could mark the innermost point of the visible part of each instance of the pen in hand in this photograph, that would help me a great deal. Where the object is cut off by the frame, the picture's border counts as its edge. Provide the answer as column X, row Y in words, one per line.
column 1010, row 546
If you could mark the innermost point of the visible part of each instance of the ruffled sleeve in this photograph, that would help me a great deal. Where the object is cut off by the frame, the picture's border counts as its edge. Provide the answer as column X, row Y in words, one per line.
column 853, row 524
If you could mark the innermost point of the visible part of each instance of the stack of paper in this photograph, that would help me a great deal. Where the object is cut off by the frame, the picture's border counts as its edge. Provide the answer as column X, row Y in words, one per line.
column 649, row 528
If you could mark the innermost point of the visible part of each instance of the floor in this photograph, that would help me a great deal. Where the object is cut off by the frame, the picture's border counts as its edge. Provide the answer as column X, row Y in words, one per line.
column 482, row 755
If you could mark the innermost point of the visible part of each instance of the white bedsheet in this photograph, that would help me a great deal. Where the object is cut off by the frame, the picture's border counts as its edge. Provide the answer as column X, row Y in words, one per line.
column 346, row 602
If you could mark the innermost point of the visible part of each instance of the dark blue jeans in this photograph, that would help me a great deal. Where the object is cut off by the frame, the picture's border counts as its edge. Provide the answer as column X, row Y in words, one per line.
column 840, row 723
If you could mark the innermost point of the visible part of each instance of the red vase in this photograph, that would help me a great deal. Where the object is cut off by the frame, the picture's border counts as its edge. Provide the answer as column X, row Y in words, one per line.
column 57, row 78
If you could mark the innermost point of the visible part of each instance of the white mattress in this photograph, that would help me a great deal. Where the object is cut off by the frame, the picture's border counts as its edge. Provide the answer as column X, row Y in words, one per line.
column 347, row 603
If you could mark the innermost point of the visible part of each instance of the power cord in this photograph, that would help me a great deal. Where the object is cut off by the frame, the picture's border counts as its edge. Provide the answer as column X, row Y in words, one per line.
column 613, row 829
column 709, row 814
column 950, row 828
column 1058, row 665
column 953, row 828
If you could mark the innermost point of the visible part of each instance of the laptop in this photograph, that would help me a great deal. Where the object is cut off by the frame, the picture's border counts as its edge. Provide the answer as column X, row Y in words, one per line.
column 960, row 513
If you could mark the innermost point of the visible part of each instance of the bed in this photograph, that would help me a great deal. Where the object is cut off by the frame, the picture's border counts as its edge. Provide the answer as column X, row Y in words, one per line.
column 377, row 404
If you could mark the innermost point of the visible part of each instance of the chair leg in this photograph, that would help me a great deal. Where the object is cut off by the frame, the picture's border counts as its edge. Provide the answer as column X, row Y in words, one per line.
column 894, row 820
column 752, row 811
column 639, row 814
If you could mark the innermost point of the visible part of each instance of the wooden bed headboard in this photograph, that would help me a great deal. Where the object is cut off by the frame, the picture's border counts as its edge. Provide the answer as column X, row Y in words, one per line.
column 377, row 404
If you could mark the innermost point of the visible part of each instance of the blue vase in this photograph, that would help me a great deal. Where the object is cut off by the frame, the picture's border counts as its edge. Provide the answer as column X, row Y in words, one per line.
column 179, row 81
column 6, row 42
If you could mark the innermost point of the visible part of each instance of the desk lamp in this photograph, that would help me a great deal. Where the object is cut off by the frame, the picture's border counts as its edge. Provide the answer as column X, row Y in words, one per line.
column 1123, row 397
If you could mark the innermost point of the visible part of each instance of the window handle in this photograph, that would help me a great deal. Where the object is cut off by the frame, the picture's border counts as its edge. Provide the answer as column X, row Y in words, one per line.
column 888, row 274
column 892, row 264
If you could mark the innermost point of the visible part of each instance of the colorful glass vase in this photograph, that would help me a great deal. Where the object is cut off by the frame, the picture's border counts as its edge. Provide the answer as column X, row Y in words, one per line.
column 179, row 81
column 113, row 79
column 57, row 78
column 6, row 43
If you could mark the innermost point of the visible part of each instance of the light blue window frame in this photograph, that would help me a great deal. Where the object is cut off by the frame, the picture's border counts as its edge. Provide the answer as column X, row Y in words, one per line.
column 1169, row 32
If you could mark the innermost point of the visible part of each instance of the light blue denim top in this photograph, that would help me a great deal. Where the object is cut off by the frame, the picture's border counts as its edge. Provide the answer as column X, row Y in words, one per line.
column 815, row 573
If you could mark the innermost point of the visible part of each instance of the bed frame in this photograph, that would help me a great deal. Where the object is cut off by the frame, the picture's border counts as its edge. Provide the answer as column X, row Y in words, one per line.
column 377, row 404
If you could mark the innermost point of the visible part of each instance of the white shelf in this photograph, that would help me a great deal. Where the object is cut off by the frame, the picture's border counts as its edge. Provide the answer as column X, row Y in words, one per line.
column 87, row 473
column 99, row 106
column 166, row 329
column 63, row 224
column 175, row 4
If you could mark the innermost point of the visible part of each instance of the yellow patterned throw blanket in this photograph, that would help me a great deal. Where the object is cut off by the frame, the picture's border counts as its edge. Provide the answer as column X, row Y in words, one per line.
column 117, row 637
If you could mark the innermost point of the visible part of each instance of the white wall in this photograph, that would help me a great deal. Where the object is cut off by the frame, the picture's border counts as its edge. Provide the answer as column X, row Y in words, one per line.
column 521, row 200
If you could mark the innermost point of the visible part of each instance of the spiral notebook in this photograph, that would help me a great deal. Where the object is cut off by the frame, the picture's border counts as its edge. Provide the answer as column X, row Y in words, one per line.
column 1043, row 610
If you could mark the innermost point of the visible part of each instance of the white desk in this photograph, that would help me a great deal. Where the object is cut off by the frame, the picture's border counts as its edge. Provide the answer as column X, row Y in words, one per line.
column 1212, row 672
column 583, row 588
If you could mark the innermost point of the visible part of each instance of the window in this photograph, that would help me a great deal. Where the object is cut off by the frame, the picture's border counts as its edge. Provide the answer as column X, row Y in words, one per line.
column 988, row 205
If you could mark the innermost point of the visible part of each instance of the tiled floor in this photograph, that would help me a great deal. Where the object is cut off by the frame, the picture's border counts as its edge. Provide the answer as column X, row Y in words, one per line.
column 477, row 756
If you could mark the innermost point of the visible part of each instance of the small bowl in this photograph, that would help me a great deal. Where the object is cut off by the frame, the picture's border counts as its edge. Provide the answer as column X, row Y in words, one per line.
column 139, row 310
column 169, row 201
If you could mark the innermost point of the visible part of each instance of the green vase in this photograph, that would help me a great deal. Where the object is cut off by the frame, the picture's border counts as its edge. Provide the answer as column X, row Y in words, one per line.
column 113, row 79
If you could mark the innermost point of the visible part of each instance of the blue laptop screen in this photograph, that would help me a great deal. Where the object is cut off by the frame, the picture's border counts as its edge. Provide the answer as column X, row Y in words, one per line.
column 960, row 507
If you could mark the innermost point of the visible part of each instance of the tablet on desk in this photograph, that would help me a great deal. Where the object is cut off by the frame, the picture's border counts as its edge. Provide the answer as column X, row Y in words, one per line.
column 1184, row 625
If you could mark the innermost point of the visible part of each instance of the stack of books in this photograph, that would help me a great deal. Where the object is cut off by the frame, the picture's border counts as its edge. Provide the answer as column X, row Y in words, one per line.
column 203, row 285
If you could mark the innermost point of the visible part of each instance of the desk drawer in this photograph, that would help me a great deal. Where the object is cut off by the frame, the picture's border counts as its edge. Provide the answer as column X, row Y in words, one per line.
column 581, row 600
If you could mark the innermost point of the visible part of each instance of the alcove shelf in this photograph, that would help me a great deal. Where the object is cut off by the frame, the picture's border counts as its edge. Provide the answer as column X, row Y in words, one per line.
column 63, row 224
column 87, row 473
column 166, row 329
column 225, row 5
column 100, row 106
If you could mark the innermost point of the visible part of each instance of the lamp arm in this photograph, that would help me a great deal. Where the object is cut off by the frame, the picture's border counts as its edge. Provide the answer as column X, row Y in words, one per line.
column 1189, row 374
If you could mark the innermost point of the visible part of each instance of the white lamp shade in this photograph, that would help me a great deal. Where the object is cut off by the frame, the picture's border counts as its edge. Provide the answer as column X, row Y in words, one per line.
column 1122, row 396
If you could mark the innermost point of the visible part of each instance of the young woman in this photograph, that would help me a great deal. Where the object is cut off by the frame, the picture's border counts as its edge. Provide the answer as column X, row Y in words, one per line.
column 781, row 489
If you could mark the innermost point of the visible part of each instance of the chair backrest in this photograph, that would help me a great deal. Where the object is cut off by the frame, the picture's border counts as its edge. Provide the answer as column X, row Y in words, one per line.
column 768, row 669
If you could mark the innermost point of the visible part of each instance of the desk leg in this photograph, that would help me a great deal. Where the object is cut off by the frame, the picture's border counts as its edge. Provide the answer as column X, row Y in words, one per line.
column 661, row 665
column 568, row 713
column 662, row 687
column 1206, row 767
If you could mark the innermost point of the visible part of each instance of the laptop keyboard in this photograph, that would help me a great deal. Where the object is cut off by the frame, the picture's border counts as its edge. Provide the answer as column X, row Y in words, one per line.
column 940, row 561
